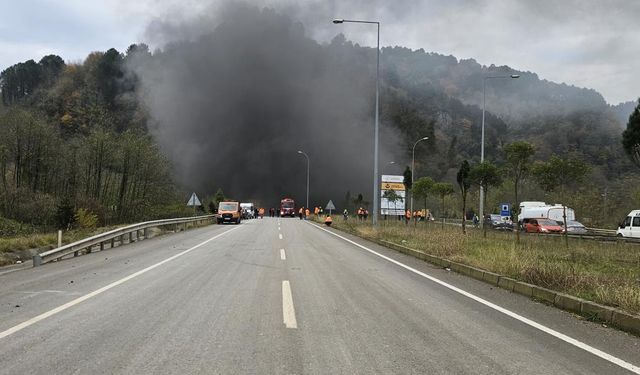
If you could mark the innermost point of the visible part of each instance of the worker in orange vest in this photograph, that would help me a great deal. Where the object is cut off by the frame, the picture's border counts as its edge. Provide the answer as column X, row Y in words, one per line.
column 328, row 221
column 307, row 212
column 261, row 212
column 301, row 212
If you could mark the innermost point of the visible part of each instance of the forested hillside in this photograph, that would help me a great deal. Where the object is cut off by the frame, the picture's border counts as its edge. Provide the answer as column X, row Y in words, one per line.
column 73, row 136
column 113, row 133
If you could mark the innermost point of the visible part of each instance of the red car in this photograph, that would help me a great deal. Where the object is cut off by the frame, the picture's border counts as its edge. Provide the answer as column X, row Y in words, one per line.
column 542, row 226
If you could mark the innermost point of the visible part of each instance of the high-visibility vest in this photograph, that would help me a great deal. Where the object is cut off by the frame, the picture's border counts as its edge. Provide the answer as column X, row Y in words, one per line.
column 328, row 219
column 408, row 214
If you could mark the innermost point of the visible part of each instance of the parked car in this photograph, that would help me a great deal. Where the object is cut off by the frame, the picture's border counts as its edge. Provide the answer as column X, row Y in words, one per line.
column 542, row 226
column 573, row 227
column 498, row 222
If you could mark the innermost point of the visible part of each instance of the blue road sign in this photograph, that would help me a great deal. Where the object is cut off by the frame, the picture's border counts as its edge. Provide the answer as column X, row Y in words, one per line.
column 505, row 209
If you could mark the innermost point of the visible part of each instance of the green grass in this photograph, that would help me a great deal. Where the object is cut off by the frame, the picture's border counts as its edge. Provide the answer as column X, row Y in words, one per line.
column 606, row 273
column 11, row 246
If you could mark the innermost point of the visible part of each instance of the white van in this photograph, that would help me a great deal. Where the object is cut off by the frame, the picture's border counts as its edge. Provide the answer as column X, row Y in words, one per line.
column 630, row 227
column 555, row 212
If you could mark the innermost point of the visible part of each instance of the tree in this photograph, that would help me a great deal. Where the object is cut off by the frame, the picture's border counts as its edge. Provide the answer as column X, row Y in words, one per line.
column 559, row 173
column 219, row 196
column 464, row 182
column 422, row 189
column 485, row 175
column 631, row 136
column 407, row 182
column 442, row 189
column 518, row 155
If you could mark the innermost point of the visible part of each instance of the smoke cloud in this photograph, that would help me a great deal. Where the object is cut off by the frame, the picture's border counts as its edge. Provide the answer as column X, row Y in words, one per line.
column 237, row 92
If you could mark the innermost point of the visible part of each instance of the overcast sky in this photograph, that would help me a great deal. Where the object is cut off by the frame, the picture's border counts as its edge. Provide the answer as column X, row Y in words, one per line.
column 587, row 43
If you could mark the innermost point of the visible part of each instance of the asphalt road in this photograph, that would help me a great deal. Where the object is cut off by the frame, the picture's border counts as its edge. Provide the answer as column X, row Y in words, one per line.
column 283, row 296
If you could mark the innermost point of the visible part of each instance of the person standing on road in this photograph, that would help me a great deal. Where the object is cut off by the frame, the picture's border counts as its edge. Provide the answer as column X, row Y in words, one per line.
column 307, row 213
column 301, row 212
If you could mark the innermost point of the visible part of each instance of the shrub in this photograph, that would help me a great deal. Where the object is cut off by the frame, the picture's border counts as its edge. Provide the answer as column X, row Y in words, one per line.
column 85, row 219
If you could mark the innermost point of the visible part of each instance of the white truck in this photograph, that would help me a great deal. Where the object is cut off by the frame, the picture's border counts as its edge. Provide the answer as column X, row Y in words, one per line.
column 630, row 227
column 553, row 212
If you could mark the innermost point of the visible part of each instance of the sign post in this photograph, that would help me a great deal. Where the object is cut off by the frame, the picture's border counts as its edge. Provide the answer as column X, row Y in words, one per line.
column 330, row 206
column 194, row 201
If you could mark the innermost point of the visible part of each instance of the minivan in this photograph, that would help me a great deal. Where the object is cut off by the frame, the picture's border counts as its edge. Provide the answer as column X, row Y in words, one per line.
column 630, row 227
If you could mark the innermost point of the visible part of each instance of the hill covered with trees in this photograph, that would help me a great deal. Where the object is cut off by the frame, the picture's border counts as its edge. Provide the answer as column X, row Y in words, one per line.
column 123, row 132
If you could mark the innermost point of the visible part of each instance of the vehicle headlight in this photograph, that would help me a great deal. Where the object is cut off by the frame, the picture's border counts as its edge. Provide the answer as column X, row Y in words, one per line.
column 544, row 230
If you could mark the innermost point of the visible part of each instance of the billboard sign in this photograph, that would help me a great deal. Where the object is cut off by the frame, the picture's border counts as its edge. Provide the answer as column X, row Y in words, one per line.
column 392, row 183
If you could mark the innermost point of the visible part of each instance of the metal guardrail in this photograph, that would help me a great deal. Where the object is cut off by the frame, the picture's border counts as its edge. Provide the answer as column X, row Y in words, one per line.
column 87, row 244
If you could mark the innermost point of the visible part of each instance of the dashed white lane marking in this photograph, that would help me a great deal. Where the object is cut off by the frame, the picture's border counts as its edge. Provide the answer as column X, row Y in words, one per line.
column 103, row 289
column 280, row 235
column 288, row 311
column 606, row 356
column 283, row 256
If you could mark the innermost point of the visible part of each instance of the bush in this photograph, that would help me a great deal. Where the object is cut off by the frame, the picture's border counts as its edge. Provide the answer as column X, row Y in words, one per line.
column 85, row 219
column 10, row 228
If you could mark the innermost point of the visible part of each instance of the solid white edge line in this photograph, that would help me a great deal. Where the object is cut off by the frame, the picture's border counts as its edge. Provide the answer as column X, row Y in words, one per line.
column 103, row 289
column 608, row 357
column 288, row 311
column 283, row 256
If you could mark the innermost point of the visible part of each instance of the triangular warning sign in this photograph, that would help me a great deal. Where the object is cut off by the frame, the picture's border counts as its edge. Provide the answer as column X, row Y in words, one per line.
column 194, row 201
column 330, row 206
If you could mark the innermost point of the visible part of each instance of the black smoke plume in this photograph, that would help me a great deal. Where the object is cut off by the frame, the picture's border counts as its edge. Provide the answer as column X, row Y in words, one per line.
column 232, row 106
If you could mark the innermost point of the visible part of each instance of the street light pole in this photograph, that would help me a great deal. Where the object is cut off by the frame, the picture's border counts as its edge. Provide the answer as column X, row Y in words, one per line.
column 413, row 167
column 308, row 164
column 376, row 180
column 484, row 101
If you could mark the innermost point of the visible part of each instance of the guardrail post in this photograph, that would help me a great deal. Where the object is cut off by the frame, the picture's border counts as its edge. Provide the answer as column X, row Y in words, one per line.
column 146, row 233
column 37, row 260
column 59, row 238
column 185, row 226
column 88, row 251
column 130, row 237
column 101, row 246
column 113, row 241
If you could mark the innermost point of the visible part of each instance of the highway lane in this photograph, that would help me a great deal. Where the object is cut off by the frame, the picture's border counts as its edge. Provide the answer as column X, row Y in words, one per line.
column 279, row 296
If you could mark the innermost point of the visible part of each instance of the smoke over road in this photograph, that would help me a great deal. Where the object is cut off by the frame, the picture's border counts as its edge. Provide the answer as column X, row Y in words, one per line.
column 233, row 101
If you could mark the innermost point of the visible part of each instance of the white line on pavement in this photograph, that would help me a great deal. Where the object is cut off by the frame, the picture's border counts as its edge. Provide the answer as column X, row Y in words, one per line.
column 608, row 357
column 288, row 312
column 280, row 235
column 282, row 255
column 103, row 289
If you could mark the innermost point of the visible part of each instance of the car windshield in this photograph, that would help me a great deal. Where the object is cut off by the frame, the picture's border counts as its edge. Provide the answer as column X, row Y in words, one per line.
column 287, row 204
column 228, row 206
column 574, row 224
